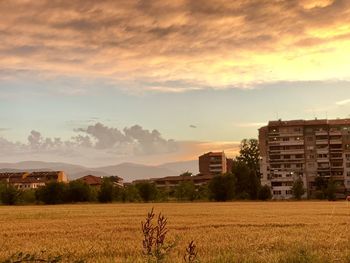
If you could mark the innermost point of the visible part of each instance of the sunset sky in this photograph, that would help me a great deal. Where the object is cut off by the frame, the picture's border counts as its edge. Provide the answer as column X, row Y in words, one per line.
column 103, row 82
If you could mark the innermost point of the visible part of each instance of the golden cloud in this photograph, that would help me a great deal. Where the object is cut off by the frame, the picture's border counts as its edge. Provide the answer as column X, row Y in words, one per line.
column 172, row 45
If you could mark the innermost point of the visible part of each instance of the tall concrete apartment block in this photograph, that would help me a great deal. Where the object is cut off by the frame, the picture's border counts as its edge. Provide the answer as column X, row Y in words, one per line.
column 213, row 163
column 305, row 149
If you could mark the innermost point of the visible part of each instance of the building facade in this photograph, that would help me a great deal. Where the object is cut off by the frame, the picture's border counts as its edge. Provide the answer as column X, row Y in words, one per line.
column 305, row 149
column 214, row 163
column 26, row 180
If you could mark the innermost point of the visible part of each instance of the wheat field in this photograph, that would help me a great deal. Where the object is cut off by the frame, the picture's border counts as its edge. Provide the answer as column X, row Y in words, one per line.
column 223, row 232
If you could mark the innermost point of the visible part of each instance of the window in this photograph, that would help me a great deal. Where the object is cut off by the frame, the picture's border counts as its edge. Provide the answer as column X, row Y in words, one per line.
column 348, row 173
column 347, row 165
column 309, row 138
column 285, row 139
column 287, row 165
column 277, row 192
column 289, row 192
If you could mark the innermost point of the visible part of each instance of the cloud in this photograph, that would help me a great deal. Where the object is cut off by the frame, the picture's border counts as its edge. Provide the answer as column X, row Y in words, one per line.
column 193, row 126
column 102, row 145
column 343, row 102
column 175, row 45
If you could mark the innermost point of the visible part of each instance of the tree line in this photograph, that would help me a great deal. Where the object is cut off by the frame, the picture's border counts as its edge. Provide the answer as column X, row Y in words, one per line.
column 241, row 183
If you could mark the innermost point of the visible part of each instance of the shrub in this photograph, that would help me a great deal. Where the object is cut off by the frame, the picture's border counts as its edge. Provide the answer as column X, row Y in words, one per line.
column 222, row 187
column 78, row 191
column 147, row 191
column 52, row 193
column 264, row 193
column 10, row 195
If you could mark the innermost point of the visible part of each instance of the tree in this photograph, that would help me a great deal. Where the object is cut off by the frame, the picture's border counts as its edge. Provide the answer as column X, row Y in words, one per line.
column 105, row 195
column 298, row 188
column 186, row 191
column 264, row 193
column 247, row 181
column 52, row 193
column 10, row 195
column 249, row 154
column 79, row 191
column 331, row 190
column 147, row 191
column 222, row 187
column 321, row 187
column 130, row 194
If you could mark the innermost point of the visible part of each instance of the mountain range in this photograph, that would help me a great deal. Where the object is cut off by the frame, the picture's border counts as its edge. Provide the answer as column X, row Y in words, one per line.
column 128, row 171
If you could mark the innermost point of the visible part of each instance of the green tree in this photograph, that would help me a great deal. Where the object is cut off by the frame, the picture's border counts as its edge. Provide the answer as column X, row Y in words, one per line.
column 247, row 181
column 52, row 193
column 222, row 187
column 79, row 191
column 185, row 191
column 10, row 195
column 106, row 192
column 147, row 191
column 130, row 194
column 250, row 155
column 298, row 188
column 264, row 193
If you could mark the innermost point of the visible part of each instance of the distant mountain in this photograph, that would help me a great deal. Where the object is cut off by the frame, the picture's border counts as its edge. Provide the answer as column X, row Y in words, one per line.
column 128, row 171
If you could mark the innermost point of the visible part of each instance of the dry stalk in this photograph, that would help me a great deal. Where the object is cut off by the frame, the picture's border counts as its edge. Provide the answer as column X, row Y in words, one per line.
column 191, row 253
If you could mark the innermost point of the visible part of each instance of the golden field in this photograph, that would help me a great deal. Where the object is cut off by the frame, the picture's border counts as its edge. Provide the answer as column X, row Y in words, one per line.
column 224, row 232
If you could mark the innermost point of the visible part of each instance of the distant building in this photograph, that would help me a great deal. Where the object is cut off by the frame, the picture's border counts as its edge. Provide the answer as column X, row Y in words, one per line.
column 173, row 181
column 96, row 181
column 307, row 149
column 214, row 163
column 48, row 176
column 26, row 180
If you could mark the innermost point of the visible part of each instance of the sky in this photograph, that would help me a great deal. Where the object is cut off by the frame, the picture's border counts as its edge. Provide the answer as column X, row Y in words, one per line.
column 104, row 82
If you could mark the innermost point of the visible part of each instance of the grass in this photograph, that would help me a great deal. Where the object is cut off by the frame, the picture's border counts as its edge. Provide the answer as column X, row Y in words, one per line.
column 223, row 232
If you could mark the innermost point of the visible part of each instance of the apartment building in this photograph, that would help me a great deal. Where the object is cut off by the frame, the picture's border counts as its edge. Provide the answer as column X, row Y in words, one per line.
column 214, row 163
column 305, row 149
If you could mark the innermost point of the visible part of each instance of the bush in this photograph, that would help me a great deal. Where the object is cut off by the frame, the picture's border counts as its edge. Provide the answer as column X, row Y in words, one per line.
column 222, row 187
column 147, row 191
column 10, row 195
column 78, row 191
column 28, row 196
column 264, row 193
column 52, row 193
column 298, row 188
column 130, row 194
column 185, row 191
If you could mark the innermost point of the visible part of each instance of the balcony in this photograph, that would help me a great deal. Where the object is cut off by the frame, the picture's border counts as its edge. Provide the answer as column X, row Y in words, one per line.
column 321, row 142
column 321, row 133
column 335, row 141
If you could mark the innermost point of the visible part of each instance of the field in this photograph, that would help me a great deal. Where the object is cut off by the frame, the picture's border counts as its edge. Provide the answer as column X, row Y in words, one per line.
column 223, row 232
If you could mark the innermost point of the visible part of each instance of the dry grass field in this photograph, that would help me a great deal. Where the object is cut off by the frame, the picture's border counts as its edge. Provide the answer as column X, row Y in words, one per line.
column 223, row 232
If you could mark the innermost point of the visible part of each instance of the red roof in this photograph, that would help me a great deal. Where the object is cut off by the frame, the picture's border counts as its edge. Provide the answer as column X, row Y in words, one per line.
column 91, row 180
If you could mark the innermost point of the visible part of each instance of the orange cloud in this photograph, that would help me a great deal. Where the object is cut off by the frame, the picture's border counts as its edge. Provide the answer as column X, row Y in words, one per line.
column 172, row 45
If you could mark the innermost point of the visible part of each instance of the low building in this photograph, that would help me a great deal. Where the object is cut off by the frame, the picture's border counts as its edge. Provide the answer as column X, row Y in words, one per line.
column 26, row 183
column 26, row 180
column 96, row 181
column 49, row 176
column 173, row 181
